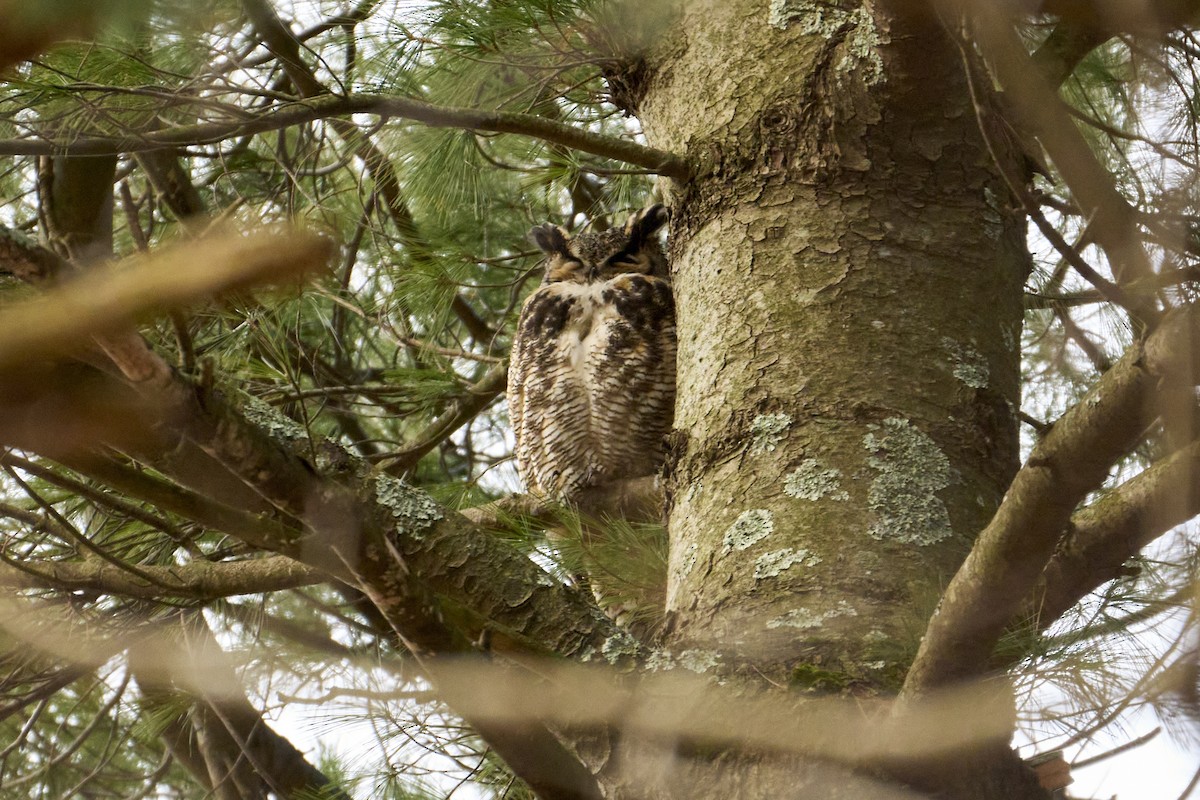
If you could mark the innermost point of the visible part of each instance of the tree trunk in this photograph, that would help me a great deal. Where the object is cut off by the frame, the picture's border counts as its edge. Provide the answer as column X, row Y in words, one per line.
column 848, row 271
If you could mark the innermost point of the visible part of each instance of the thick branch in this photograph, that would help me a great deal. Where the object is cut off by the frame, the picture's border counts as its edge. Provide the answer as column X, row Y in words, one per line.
column 221, row 729
column 633, row 500
column 332, row 106
column 28, row 29
column 1147, row 18
column 1064, row 48
column 351, row 528
column 439, row 581
column 1071, row 460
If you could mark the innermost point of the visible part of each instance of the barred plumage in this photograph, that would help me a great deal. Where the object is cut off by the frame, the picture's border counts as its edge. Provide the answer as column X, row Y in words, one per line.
column 591, row 382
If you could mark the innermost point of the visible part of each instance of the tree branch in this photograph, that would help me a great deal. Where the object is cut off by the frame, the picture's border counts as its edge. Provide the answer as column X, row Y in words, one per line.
column 1114, row 221
column 1152, row 18
column 433, row 576
column 1072, row 459
column 231, row 737
column 1066, row 46
column 353, row 526
column 478, row 397
column 26, row 30
column 633, row 500
column 437, row 580
column 198, row 580
column 101, row 300
column 1105, row 535
column 333, row 106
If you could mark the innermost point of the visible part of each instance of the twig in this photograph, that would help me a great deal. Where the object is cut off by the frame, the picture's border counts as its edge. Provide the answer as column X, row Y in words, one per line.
column 1116, row 751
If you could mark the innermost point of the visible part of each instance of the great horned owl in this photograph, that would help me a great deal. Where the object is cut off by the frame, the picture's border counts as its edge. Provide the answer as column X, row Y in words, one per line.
column 591, row 383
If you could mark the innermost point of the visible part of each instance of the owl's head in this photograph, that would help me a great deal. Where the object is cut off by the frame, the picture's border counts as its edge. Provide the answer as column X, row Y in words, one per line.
column 592, row 257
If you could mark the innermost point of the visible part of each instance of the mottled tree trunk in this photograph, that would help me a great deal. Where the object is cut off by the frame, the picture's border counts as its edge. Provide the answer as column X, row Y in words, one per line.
column 848, row 271
column 848, row 274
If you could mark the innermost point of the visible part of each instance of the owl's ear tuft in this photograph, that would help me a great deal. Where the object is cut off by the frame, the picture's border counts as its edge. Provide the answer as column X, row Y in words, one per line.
column 645, row 223
column 550, row 239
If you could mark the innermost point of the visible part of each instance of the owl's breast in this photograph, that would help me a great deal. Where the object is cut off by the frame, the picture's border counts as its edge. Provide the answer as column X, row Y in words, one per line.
column 592, row 384
column 625, row 316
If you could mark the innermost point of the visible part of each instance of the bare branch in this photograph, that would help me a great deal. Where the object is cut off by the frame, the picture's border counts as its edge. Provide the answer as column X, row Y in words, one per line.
column 429, row 572
column 238, row 738
column 634, row 500
column 1061, row 51
column 1151, row 18
column 479, row 397
column 1039, row 107
column 332, row 106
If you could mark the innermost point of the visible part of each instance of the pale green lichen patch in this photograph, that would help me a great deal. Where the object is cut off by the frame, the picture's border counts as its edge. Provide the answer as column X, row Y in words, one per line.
column 807, row 619
column 812, row 481
column 619, row 647
column 861, row 37
column 767, row 430
column 750, row 527
column 781, row 12
column 967, row 364
column 414, row 510
column 904, row 495
column 699, row 661
column 262, row 415
column 770, row 565
column 660, row 661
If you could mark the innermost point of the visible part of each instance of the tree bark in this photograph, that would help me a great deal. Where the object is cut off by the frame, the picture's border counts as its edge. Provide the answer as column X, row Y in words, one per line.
column 848, row 267
column 849, row 413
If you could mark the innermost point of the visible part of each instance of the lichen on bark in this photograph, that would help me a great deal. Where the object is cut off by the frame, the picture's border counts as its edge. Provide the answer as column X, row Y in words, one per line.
column 910, row 473
column 414, row 510
column 811, row 480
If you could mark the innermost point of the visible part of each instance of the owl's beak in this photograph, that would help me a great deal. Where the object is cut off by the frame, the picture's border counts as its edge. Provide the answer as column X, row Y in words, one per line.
column 593, row 272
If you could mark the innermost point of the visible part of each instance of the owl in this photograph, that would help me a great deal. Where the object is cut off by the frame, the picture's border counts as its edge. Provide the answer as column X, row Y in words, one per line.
column 591, row 383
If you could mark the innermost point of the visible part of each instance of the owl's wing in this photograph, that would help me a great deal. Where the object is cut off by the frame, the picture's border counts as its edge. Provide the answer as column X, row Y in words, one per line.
column 547, row 396
column 631, row 362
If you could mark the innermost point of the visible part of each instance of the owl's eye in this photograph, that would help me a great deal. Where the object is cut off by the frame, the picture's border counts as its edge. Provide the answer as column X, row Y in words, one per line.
column 566, row 264
column 622, row 262
column 565, row 269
